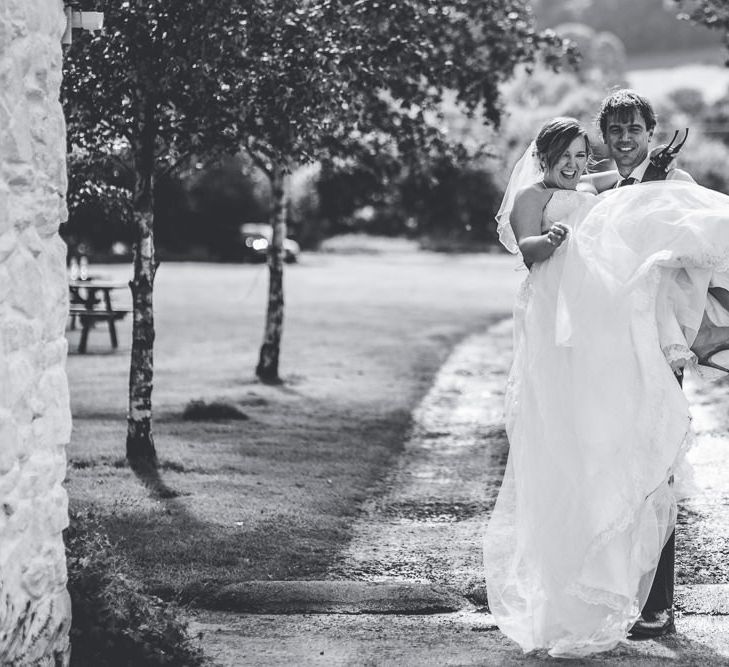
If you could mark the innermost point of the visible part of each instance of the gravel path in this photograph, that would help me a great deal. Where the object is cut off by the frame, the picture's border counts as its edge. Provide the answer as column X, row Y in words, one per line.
column 427, row 523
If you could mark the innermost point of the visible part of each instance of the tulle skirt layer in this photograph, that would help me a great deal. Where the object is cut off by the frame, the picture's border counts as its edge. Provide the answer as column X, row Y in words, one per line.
column 597, row 423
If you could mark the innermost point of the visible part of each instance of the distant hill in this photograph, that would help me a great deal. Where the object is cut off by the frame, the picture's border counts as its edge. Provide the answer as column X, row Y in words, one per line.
column 644, row 26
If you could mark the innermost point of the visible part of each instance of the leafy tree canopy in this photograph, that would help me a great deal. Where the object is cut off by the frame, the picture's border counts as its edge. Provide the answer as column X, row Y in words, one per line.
column 293, row 81
column 158, row 82
column 367, row 78
column 711, row 13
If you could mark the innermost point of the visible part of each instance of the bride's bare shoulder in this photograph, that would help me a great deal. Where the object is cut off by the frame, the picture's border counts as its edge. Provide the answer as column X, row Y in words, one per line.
column 534, row 194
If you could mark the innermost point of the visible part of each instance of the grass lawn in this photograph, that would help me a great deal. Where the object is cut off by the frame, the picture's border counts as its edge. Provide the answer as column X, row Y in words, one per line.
column 272, row 496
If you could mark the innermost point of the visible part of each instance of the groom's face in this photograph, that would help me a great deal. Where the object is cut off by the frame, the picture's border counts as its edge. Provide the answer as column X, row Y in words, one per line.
column 627, row 140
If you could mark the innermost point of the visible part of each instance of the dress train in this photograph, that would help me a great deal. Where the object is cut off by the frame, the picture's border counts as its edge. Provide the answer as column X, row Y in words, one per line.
column 597, row 423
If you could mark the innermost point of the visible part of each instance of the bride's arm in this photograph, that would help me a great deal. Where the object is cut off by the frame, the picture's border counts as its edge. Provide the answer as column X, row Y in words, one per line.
column 526, row 221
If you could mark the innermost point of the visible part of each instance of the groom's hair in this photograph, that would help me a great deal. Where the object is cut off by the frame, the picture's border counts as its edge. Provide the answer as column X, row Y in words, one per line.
column 623, row 104
column 555, row 136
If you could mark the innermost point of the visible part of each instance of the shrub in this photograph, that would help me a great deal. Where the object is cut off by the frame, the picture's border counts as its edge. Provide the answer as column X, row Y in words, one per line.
column 304, row 220
column 115, row 624
column 99, row 204
column 689, row 101
column 442, row 200
column 453, row 202
column 716, row 119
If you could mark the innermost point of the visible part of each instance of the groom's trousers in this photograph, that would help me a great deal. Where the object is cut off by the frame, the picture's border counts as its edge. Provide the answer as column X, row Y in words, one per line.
column 661, row 593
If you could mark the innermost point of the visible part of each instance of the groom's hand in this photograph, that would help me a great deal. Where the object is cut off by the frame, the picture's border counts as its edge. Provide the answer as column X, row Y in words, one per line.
column 672, row 164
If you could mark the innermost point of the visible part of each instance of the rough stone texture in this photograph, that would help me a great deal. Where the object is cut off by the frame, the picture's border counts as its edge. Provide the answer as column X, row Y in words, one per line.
column 337, row 597
column 35, row 418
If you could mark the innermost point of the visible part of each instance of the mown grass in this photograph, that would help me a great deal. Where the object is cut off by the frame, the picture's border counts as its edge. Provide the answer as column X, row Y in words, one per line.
column 272, row 496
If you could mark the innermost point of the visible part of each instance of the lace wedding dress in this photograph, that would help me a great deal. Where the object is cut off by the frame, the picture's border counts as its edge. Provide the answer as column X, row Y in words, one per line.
column 596, row 421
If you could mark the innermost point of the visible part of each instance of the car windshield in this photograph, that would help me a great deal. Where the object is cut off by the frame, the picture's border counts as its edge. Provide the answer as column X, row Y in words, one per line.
column 260, row 228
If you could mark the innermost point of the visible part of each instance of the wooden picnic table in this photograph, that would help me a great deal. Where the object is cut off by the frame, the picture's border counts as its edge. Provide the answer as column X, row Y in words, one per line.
column 91, row 302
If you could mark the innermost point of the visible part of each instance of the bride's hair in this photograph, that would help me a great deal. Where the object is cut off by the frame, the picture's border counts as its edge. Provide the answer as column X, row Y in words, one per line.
column 554, row 138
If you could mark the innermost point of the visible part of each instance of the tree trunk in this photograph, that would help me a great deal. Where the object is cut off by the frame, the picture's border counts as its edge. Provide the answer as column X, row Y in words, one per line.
column 140, row 443
column 267, row 369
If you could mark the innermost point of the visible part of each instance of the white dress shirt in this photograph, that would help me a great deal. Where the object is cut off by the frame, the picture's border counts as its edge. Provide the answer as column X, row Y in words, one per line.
column 673, row 175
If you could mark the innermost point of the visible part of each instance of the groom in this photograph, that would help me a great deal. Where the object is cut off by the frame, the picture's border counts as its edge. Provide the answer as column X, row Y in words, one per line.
column 627, row 121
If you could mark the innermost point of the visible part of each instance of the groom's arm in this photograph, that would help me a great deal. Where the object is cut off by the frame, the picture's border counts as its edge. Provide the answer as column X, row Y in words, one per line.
column 605, row 180
column 599, row 181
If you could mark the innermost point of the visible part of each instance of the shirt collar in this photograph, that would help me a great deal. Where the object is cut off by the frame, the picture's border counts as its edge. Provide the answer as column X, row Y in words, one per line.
column 640, row 170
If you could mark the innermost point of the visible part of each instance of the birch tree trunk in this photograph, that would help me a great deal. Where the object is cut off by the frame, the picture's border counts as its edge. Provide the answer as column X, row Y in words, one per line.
column 140, row 443
column 267, row 369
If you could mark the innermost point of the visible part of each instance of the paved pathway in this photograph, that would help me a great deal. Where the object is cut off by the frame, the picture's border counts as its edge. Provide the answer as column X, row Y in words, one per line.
column 427, row 524
column 425, row 528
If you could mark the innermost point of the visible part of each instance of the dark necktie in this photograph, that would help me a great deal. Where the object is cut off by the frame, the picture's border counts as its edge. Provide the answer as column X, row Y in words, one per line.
column 627, row 181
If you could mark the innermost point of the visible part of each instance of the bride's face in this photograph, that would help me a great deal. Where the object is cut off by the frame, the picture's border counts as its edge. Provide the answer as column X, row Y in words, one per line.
column 566, row 171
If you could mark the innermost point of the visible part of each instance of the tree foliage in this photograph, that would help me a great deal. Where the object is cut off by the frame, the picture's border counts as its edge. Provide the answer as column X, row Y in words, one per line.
column 369, row 76
column 713, row 14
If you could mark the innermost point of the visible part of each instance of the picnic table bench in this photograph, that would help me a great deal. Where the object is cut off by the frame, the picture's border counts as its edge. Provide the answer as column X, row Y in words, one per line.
column 91, row 302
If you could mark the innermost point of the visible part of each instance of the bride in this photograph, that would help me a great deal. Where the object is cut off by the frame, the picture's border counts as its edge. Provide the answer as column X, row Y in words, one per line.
column 597, row 425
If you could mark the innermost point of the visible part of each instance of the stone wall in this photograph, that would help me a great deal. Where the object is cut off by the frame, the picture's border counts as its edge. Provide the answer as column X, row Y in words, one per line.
column 35, row 419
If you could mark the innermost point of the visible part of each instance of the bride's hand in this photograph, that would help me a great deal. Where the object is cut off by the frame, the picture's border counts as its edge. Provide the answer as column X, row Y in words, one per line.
column 677, row 366
column 557, row 234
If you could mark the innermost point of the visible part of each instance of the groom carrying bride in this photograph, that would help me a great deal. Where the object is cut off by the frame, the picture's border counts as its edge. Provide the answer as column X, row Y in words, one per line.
column 610, row 312
column 627, row 122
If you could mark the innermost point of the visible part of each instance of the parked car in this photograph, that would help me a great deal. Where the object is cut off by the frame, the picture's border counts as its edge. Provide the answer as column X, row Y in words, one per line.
column 255, row 239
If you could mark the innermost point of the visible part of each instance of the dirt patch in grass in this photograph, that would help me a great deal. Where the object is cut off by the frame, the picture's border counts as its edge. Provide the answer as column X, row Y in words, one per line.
column 213, row 411
column 273, row 496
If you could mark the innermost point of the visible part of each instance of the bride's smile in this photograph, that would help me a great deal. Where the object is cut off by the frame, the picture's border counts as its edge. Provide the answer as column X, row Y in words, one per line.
column 565, row 173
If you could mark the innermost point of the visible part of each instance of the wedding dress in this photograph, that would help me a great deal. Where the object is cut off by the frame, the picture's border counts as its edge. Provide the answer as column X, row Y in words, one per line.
column 597, row 424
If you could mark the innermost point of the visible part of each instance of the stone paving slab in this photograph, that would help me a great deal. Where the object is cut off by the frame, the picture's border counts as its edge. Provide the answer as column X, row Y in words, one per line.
column 402, row 597
column 337, row 597
column 710, row 599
